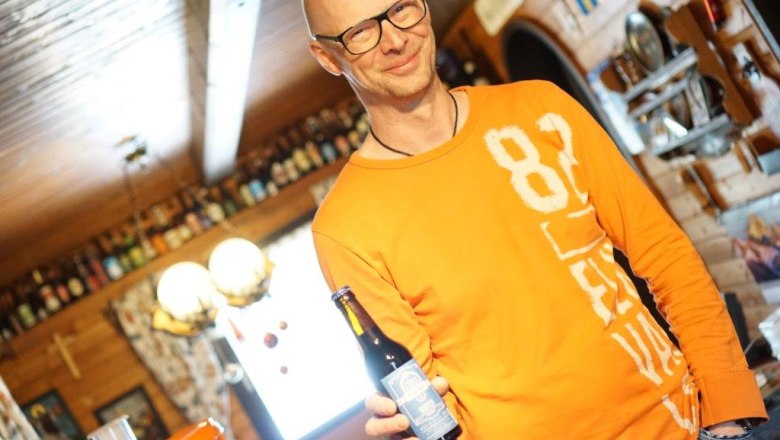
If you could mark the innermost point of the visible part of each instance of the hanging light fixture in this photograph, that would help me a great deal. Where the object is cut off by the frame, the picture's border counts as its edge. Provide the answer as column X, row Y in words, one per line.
column 241, row 271
column 189, row 295
column 188, row 299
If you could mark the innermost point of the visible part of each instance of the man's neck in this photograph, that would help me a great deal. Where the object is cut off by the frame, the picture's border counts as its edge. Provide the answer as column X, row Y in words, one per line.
column 413, row 125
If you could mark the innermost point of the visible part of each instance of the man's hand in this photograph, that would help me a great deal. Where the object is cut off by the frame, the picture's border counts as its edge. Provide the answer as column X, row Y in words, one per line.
column 726, row 428
column 387, row 422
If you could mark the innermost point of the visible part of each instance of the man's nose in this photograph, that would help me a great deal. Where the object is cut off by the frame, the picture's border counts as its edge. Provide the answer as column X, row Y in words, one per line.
column 393, row 38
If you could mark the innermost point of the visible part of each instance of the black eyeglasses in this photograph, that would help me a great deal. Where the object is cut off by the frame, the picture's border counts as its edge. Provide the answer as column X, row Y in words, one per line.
column 366, row 35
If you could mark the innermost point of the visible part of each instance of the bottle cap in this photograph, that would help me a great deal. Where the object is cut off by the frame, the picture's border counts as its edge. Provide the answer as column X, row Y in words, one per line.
column 341, row 292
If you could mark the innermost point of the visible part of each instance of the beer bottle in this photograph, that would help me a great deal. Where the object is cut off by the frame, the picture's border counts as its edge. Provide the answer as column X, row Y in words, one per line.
column 93, row 258
column 9, row 308
column 299, row 155
column 25, row 306
column 7, row 330
column 256, row 184
column 74, row 282
column 173, row 231
column 46, row 292
column 190, row 213
column 90, row 280
column 111, row 264
column 60, row 288
column 214, row 207
column 395, row 372
column 133, row 249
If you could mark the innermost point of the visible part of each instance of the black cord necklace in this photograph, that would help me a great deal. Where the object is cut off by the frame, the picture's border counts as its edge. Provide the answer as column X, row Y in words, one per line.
column 404, row 153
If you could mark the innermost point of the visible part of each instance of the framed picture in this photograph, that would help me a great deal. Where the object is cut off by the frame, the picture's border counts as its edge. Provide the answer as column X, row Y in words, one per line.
column 51, row 418
column 143, row 418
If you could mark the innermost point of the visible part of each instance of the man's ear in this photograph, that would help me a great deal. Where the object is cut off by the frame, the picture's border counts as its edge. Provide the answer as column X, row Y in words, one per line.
column 326, row 59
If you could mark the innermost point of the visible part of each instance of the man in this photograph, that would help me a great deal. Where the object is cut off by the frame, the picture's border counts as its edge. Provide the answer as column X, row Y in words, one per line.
column 477, row 227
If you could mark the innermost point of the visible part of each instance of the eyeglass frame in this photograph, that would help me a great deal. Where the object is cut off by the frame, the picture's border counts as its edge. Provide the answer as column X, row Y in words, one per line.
column 379, row 19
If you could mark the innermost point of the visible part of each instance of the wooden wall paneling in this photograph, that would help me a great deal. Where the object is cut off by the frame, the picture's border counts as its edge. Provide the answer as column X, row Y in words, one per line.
column 40, row 227
column 107, row 362
column 75, row 77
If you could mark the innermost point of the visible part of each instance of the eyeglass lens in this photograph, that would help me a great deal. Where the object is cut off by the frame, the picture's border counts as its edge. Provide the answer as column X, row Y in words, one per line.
column 365, row 36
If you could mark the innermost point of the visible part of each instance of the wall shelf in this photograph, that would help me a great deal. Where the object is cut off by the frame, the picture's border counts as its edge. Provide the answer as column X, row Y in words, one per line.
column 719, row 122
column 646, row 107
column 683, row 61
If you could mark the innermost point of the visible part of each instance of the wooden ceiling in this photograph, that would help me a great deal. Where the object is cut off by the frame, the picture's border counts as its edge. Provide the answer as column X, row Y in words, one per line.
column 77, row 76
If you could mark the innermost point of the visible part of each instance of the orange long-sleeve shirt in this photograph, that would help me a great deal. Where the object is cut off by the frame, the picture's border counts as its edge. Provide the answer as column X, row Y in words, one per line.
column 490, row 258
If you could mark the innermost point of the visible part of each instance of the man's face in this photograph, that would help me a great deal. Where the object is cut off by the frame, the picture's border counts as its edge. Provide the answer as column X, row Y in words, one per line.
column 403, row 63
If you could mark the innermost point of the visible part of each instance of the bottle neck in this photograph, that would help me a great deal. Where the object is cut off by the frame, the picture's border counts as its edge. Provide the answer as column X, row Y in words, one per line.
column 358, row 319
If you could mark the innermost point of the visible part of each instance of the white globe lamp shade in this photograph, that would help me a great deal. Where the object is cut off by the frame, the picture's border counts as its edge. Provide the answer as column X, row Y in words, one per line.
column 186, row 290
column 238, row 266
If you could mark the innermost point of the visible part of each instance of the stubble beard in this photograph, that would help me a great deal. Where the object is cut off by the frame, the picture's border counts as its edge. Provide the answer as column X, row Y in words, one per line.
column 402, row 87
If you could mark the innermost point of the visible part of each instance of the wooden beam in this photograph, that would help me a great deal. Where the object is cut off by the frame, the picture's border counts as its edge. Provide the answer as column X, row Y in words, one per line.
column 231, row 35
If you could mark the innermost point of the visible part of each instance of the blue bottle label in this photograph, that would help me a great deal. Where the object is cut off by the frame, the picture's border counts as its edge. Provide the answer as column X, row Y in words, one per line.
column 419, row 402
column 257, row 190
column 113, row 267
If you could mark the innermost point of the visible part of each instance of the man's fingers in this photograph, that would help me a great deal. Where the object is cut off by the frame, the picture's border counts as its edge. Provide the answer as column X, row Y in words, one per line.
column 441, row 385
column 385, row 426
column 380, row 405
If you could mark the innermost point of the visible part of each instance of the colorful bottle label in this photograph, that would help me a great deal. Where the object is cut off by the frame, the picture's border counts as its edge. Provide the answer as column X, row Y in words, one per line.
column 257, row 189
column 62, row 293
column 49, row 298
column 172, row 238
column 215, row 212
column 113, row 267
column 76, row 287
column 136, row 254
column 418, row 401
column 246, row 195
column 27, row 315
column 329, row 152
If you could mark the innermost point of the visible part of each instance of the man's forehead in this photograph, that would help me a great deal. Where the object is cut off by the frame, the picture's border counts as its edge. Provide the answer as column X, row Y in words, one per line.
column 333, row 16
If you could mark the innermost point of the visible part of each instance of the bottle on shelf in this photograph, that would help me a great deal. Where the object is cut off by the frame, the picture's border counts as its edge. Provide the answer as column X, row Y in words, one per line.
column 395, row 372
column 59, row 283
column 285, row 149
column 214, row 207
column 241, row 176
column 198, row 196
column 277, row 172
column 74, row 282
column 172, row 234
column 156, row 224
column 133, row 249
column 46, row 291
column 327, row 149
column 111, row 264
column 25, row 310
column 94, row 259
column 229, row 203
column 119, row 250
column 191, row 215
column 142, row 225
column 299, row 154
column 271, row 187
column 256, row 183
column 345, row 120
column 9, row 309
column 89, row 278
column 7, row 331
